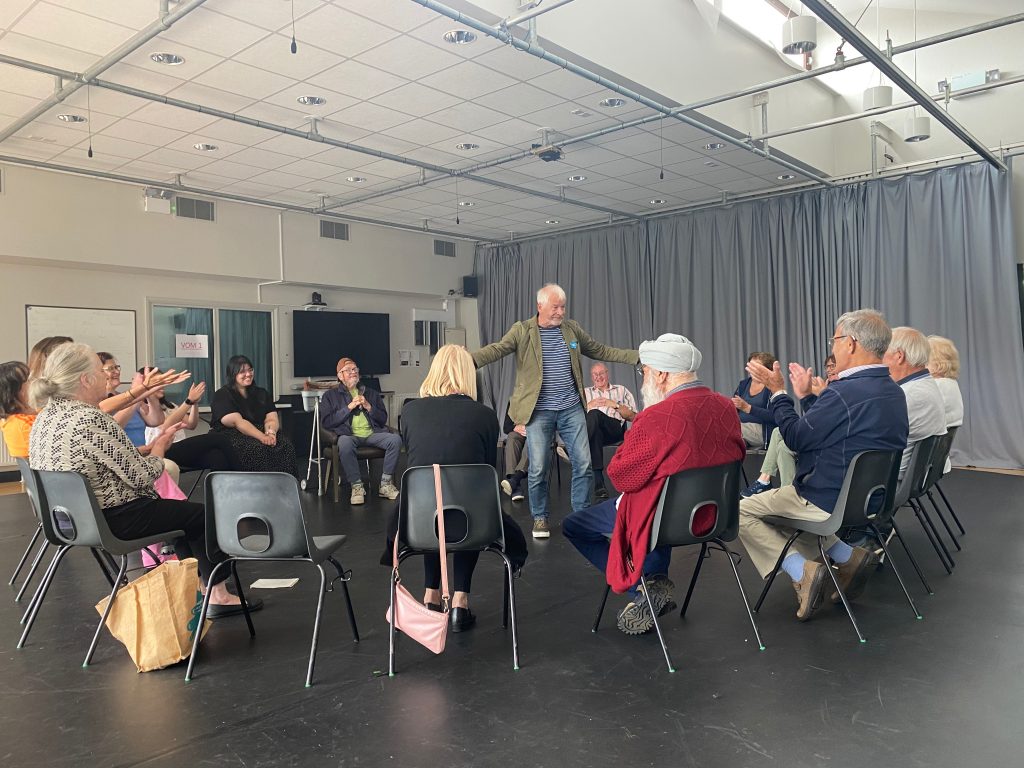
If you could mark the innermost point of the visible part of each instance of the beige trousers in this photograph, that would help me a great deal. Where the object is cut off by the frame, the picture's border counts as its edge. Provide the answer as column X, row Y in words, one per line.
column 764, row 541
column 753, row 434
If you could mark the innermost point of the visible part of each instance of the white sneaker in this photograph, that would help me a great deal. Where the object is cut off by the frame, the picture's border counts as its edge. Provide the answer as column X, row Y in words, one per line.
column 387, row 490
column 358, row 494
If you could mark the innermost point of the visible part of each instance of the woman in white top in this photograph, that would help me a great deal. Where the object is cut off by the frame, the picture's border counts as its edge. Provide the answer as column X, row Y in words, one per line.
column 944, row 366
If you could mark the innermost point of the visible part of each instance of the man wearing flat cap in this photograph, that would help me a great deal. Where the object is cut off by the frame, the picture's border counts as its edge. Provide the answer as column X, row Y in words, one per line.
column 548, row 394
column 684, row 425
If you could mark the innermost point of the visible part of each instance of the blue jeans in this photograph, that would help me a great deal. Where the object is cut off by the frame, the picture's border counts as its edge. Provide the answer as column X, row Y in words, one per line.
column 571, row 424
column 347, row 444
column 588, row 530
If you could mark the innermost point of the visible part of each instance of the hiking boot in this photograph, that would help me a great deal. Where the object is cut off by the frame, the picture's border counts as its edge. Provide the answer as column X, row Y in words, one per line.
column 855, row 572
column 387, row 490
column 540, row 528
column 635, row 618
column 810, row 589
column 358, row 494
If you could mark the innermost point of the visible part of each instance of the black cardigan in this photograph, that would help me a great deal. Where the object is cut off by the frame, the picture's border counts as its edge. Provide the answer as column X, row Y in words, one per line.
column 449, row 430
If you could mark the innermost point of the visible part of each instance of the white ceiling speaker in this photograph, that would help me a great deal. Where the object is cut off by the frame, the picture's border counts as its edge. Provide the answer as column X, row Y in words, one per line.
column 877, row 96
column 917, row 128
column 799, row 34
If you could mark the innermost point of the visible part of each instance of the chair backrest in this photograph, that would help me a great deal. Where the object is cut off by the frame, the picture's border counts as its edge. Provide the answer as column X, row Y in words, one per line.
column 869, row 487
column 912, row 484
column 472, row 508
column 698, row 505
column 31, row 487
column 939, row 455
column 254, row 514
column 69, row 512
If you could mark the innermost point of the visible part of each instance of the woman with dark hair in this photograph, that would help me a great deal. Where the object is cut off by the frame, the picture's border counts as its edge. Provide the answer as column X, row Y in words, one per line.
column 16, row 416
column 751, row 400
column 245, row 413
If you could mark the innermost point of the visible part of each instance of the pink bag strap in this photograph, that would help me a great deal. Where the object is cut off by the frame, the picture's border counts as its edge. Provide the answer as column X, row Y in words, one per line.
column 445, row 595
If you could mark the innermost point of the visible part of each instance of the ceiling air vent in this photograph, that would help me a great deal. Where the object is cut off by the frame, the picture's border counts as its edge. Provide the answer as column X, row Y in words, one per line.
column 444, row 248
column 335, row 230
column 190, row 208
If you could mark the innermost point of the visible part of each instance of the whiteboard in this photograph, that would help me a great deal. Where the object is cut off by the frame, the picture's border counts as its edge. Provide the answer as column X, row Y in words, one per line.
column 105, row 330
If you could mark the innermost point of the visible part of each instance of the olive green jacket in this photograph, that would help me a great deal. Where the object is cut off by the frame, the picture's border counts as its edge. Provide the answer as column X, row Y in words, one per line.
column 523, row 339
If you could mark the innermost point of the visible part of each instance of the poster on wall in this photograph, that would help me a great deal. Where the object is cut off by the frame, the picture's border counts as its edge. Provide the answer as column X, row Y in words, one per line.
column 191, row 345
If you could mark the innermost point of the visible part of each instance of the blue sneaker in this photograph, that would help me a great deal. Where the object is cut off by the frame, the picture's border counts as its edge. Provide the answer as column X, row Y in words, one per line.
column 755, row 488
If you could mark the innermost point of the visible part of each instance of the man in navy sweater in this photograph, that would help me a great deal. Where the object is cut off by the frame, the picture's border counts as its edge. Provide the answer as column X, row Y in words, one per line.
column 862, row 410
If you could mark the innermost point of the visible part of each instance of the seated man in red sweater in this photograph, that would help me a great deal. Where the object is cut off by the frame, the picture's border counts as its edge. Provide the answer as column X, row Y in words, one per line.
column 684, row 425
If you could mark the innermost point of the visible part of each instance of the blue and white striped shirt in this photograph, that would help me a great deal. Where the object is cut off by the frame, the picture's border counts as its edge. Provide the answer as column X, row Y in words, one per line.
column 558, row 389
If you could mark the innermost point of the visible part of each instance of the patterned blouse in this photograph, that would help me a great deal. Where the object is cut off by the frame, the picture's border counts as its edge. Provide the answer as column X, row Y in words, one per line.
column 72, row 435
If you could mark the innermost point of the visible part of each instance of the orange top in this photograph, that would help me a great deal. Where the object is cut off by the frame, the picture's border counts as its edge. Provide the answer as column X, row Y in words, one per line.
column 16, row 429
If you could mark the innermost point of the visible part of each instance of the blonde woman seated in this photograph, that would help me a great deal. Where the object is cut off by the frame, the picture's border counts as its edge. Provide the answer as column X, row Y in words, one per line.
column 944, row 366
column 447, row 426
column 72, row 434
column 778, row 458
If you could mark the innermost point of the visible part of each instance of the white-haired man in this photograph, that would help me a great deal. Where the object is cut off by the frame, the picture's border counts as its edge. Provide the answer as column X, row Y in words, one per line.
column 684, row 425
column 548, row 394
column 907, row 358
column 610, row 407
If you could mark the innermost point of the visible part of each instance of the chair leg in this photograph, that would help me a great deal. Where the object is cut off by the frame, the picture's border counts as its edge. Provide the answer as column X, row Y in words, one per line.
column 391, row 630
column 504, row 606
column 835, row 582
column 32, row 571
column 910, row 555
column 37, row 599
column 950, row 508
column 657, row 627
column 344, row 577
column 933, row 536
column 241, row 596
column 316, row 624
column 743, row 593
column 510, row 584
column 746, row 480
column 775, row 571
column 600, row 608
column 104, row 565
column 202, row 620
column 693, row 579
column 336, row 468
column 106, row 611
column 24, row 557
column 942, row 519
column 881, row 540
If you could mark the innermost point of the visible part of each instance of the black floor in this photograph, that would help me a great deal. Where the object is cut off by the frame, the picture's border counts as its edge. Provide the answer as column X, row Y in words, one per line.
column 945, row 691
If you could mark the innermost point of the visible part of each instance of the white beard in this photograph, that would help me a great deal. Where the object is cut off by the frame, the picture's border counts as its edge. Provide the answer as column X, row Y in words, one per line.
column 650, row 394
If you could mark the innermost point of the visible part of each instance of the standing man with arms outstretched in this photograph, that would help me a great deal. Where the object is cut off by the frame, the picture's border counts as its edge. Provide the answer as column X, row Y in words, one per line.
column 548, row 394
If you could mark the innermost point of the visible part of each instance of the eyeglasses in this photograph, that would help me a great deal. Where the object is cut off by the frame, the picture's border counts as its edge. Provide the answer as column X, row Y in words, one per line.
column 244, row 371
column 349, row 369
column 639, row 368
column 834, row 339
column 110, row 368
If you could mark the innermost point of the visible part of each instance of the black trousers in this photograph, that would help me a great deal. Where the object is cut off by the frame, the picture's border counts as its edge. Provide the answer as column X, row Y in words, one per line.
column 212, row 451
column 602, row 430
column 145, row 517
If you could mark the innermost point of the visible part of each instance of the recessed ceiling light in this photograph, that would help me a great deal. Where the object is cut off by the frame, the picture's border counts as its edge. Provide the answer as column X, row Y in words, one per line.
column 311, row 101
column 710, row 163
column 69, row 118
column 713, row 146
column 612, row 102
column 170, row 59
column 204, row 147
column 657, row 201
column 580, row 113
column 465, row 146
column 355, row 179
column 551, row 221
column 577, row 178
column 459, row 37
column 785, row 176
column 466, row 203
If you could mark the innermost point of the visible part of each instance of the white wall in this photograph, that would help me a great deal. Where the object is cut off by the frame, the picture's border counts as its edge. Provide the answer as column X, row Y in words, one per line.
column 71, row 241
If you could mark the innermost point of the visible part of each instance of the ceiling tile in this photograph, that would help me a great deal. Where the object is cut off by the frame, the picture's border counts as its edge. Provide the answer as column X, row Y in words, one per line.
column 513, row 133
column 135, row 130
column 75, row 30
column 107, row 145
column 107, row 102
column 12, row 9
column 280, row 179
column 468, row 80
column 179, row 160
column 271, row 113
column 144, row 79
column 30, row 48
column 234, row 77
column 561, row 119
column 388, row 169
column 672, row 153
column 369, row 116
column 390, row 144
column 519, row 98
column 251, row 189
column 515, row 63
column 409, row 58
column 32, row 149
column 232, row 170
column 631, row 142
column 135, row 15
column 587, row 155
column 397, row 14
column 224, row 130
column 357, row 80
column 261, row 158
column 206, row 180
column 214, row 32
column 346, row 34
column 196, row 61
column 25, row 82
column 186, row 144
column 51, row 132
column 16, row 104
column 210, row 97
column 424, row 132
column 288, row 98
column 416, row 99
column 344, row 158
column 309, row 169
column 273, row 53
column 567, row 85
column 434, row 157
column 467, row 116
column 433, row 33
column 293, row 146
column 269, row 15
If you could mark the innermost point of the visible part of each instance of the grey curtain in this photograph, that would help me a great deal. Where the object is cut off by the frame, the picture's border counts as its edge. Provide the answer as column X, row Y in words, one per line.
column 932, row 250
column 248, row 332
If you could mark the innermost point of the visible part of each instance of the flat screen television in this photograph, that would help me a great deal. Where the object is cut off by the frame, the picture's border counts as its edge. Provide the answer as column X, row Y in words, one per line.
column 320, row 339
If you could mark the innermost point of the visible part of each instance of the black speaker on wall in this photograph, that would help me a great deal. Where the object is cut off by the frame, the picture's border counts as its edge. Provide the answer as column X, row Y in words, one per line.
column 470, row 286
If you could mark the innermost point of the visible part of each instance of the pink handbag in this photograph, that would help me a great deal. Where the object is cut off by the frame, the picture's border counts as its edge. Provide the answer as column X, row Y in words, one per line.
column 428, row 628
column 165, row 488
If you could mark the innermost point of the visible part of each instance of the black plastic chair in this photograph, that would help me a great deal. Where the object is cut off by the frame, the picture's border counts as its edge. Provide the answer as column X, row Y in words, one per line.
column 869, row 473
column 71, row 517
column 681, row 520
column 912, row 487
column 29, row 482
column 943, row 444
column 364, row 453
column 257, row 516
column 471, row 503
column 951, row 433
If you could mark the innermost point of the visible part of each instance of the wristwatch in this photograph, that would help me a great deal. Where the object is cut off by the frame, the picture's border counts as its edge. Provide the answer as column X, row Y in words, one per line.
column 189, row 402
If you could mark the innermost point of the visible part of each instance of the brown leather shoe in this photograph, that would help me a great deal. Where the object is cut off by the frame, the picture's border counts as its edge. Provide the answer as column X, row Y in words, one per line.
column 810, row 589
column 855, row 572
